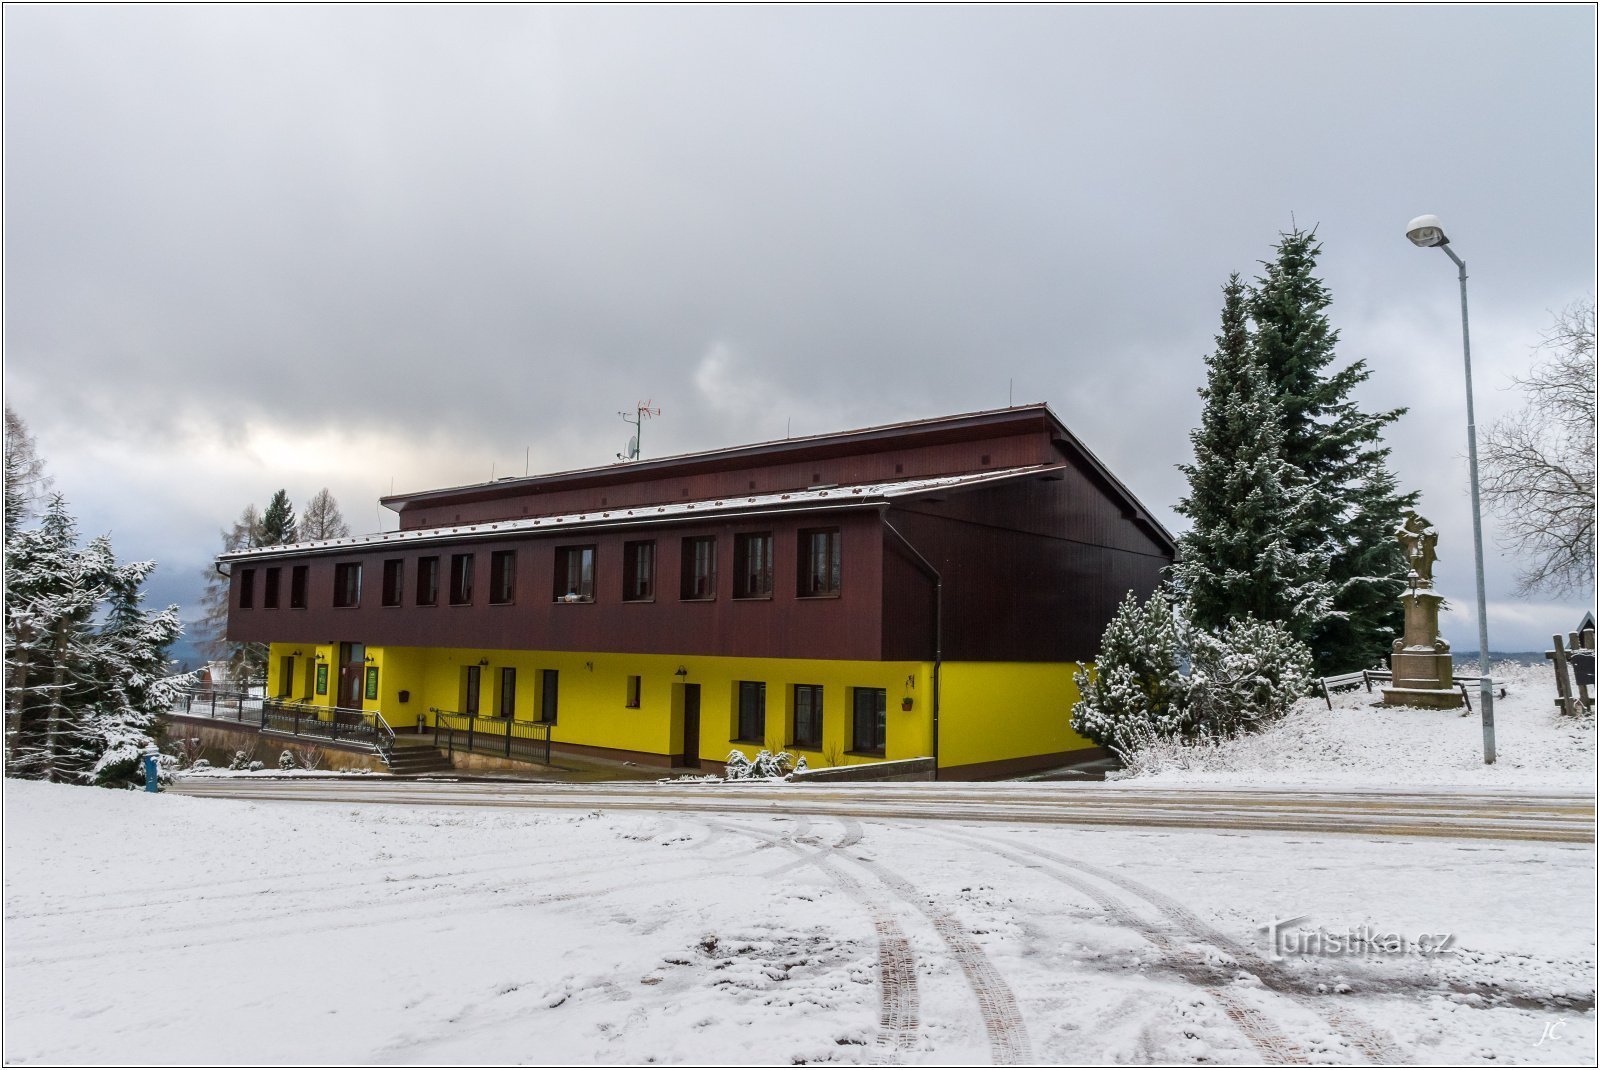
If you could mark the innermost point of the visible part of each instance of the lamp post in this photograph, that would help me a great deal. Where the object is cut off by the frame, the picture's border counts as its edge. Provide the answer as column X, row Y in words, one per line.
column 1425, row 231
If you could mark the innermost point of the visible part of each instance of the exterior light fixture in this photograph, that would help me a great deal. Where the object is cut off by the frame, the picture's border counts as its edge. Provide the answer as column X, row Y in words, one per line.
column 682, row 673
column 1427, row 232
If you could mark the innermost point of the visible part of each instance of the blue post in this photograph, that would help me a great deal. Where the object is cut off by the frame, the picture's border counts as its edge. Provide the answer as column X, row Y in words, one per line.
column 151, row 780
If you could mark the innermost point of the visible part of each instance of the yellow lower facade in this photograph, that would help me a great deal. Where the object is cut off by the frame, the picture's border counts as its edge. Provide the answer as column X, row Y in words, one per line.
column 992, row 715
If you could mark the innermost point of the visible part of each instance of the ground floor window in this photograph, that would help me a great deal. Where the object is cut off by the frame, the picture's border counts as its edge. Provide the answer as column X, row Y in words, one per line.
column 508, row 693
column 752, row 711
column 471, row 682
column 633, row 693
column 868, row 720
column 549, row 681
column 808, row 716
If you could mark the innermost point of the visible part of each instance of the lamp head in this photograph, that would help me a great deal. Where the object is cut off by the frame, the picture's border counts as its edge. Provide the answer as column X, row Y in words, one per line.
column 1426, row 231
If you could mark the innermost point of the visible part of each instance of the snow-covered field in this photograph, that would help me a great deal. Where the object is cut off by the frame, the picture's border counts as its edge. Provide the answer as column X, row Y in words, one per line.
column 186, row 930
column 1359, row 744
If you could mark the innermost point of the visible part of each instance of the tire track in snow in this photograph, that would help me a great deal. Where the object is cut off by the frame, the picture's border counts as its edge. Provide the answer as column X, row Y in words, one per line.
column 899, row 1015
column 1262, row 1033
column 1375, row 1045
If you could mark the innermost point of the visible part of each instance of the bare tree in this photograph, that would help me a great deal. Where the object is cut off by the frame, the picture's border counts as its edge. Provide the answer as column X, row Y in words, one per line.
column 322, row 519
column 246, row 661
column 26, row 482
column 1539, row 463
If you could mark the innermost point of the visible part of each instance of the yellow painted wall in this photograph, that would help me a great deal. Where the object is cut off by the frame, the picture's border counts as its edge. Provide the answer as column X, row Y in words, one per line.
column 302, row 687
column 993, row 711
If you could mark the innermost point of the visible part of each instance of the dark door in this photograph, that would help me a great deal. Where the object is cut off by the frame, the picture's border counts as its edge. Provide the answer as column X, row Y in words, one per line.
column 352, row 667
column 691, row 725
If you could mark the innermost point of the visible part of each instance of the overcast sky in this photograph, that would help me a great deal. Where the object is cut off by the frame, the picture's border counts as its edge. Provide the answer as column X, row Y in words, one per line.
column 367, row 247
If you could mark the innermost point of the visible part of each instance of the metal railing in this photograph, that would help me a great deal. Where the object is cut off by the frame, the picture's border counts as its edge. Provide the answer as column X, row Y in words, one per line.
column 528, row 741
column 333, row 724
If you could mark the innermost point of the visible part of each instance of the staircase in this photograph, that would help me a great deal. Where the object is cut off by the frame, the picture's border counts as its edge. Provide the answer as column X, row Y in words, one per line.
column 414, row 759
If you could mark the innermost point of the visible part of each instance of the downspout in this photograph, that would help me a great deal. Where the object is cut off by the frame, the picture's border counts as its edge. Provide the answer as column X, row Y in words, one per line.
column 938, row 625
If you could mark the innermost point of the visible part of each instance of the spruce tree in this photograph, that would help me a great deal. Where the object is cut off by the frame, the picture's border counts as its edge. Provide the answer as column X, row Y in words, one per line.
column 1353, row 504
column 1248, row 505
column 277, row 523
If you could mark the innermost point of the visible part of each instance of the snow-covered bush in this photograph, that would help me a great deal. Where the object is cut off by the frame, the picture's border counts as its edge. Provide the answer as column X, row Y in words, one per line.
column 1239, row 680
column 240, row 761
column 286, row 760
column 200, row 765
column 763, row 766
column 256, row 767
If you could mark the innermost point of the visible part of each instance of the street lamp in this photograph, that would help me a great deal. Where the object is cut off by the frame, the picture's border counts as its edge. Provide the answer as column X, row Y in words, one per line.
column 1426, row 232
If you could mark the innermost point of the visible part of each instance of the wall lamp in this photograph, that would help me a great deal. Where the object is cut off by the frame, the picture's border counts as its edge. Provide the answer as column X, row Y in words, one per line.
column 483, row 661
column 682, row 673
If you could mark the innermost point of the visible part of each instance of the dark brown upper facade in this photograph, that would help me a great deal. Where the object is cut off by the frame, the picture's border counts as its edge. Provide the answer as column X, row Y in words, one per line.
column 828, row 547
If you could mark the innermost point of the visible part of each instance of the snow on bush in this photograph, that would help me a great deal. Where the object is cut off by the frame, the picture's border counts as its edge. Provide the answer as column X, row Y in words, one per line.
column 240, row 761
column 286, row 761
column 764, row 766
column 1239, row 680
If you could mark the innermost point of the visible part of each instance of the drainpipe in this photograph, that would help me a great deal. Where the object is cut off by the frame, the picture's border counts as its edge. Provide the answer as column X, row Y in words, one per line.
column 938, row 624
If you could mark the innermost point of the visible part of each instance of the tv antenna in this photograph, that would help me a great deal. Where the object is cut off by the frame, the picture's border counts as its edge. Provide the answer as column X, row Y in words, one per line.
column 642, row 411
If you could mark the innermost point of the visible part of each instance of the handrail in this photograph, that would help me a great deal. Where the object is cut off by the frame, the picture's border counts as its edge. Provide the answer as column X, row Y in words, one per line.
column 502, row 736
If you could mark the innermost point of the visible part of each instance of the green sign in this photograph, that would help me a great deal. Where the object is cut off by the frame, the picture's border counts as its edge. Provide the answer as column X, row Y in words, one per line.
column 322, row 679
column 372, row 683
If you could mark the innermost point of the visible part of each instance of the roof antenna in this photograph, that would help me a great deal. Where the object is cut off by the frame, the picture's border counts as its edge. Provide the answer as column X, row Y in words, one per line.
column 1009, row 384
column 641, row 412
column 527, row 459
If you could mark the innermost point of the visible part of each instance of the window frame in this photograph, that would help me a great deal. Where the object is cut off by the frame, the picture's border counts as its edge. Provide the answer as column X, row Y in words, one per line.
column 816, row 692
column 299, row 586
column 631, row 560
column 881, row 725
column 462, row 569
column 585, row 555
column 347, row 595
column 634, row 694
column 502, row 577
column 394, row 582
column 549, row 696
column 270, row 587
column 806, row 556
column 428, row 580
column 743, row 588
column 247, row 588
column 690, row 576
column 750, row 712
column 506, row 693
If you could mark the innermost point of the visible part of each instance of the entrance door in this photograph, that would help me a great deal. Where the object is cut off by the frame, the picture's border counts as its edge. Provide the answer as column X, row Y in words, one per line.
column 691, row 725
column 352, row 670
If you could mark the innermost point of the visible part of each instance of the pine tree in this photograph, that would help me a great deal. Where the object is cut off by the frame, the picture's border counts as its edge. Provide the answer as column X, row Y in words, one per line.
column 86, row 666
column 1353, row 504
column 1248, row 505
column 277, row 523
column 1135, row 692
column 322, row 519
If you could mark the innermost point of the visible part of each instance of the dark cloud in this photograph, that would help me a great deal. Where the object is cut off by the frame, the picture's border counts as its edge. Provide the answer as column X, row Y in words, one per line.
column 433, row 239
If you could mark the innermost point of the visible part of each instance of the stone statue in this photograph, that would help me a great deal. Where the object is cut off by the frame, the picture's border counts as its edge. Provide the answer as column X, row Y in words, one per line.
column 1419, row 539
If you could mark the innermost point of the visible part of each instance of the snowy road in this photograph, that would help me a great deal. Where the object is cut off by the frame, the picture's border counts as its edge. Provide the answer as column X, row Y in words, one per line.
column 1551, row 816
column 206, row 930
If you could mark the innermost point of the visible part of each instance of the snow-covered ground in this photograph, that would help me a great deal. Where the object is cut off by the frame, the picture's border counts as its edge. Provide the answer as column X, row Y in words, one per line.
column 1360, row 744
column 191, row 930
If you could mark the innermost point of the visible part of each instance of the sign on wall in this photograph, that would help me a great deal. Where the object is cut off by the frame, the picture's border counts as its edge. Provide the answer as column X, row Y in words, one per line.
column 372, row 683
column 322, row 679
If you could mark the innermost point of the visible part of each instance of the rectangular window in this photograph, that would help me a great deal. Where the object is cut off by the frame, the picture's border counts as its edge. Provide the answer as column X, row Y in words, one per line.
column 471, row 684
column 574, row 574
column 286, row 677
column 297, row 587
column 752, row 565
column 508, row 693
column 752, row 711
column 247, row 588
column 269, row 596
column 808, row 716
column 347, row 585
column 633, row 693
column 819, row 563
column 699, row 568
column 638, row 571
column 461, row 579
column 868, row 721
column 394, row 581
column 427, row 581
column 503, row 577
column 549, row 680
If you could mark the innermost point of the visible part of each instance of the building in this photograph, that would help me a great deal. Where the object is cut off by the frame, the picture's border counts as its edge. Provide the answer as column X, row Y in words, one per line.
column 919, row 589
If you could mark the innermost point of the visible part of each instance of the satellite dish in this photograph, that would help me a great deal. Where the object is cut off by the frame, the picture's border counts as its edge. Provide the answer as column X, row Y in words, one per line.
column 633, row 446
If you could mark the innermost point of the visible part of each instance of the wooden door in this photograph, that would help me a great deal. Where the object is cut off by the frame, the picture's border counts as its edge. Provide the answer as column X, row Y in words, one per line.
column 691, row 725
column 352, row 674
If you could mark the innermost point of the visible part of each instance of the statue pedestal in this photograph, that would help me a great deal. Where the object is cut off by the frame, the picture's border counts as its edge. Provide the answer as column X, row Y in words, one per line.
column 1421, row 660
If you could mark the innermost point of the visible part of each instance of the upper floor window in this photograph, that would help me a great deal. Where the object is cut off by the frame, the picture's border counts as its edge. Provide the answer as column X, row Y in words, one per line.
column 427, row 581
column 394, row 581
column 819, row 562
column 574, row 579
column 752, row 565
column 247, row 588
column 297, row 587
column 347, row 584
column 269, row 596
column 503, row 577
column 699, row 575
column 461, row 579
column 638, row 571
